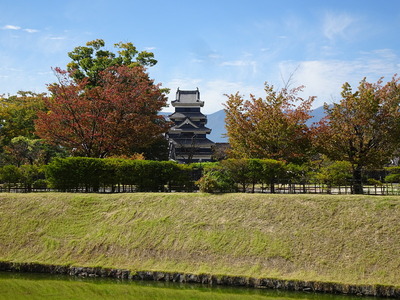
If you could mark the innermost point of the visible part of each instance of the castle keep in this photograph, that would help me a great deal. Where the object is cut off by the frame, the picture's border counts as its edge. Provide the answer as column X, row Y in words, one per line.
column 187, row 137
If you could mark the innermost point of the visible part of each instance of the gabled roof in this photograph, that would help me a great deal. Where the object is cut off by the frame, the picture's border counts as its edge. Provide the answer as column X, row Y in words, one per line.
column 186, row 122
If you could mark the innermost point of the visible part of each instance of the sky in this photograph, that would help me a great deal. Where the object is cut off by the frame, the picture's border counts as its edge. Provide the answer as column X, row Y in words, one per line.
column 219, row 46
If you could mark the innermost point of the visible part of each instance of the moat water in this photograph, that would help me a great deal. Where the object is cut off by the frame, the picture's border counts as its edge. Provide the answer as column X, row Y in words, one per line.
column 15, row 286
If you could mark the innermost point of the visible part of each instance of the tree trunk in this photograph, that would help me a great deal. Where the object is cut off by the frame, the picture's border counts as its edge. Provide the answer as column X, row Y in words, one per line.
column 357, row 181
column 272, row 187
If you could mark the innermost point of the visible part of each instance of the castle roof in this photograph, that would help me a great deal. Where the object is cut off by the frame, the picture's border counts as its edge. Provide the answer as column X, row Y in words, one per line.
column 191, row 115
column 190, row 142
column 187, row 98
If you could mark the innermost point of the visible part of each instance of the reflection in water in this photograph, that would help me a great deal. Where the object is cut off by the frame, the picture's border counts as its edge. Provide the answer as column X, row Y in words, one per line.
column 42, row 286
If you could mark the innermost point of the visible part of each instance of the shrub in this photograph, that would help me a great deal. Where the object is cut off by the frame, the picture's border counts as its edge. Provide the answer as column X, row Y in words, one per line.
column 216, row 179
column 10, row 175
column 394, row 174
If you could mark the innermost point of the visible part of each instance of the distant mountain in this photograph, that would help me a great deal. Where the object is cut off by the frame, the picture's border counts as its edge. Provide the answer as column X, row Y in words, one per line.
column 317, row 114
column 216, row 122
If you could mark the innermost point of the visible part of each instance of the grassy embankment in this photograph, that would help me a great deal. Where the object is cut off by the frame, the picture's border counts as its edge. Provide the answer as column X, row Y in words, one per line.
column 344, row 239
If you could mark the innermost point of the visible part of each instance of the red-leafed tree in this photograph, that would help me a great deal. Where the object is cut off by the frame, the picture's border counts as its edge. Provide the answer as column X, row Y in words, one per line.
column 116, row 116
column 364, row 128
column 273, row 127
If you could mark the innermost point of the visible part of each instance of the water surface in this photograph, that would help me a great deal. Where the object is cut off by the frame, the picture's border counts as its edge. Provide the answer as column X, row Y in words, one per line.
column 18, row 286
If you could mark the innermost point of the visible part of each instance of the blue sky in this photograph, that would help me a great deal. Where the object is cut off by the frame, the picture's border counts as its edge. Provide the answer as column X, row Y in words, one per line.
column 219, row 46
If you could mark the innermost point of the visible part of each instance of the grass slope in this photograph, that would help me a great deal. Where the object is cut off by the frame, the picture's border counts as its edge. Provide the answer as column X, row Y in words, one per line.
column 345, row 239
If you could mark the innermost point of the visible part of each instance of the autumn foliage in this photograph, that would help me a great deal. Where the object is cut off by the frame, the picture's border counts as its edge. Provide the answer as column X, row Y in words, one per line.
column 114, row 117
column 274, row 127
column 364, row 128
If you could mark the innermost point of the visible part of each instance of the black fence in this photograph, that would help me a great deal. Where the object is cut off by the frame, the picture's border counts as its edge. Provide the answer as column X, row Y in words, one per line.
column 382, row 189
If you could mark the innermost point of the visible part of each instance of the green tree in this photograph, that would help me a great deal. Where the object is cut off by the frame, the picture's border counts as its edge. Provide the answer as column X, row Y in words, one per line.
column 394, row 174
column 274, row 127
column 17, row 115
column 238, row 170
column 363, row 129
column 10, row 175
column 88, row 61
column 31, row 174
column 157, row 150
column 273, row 171
column 23, row 150
column 337, row 173
column 299, row 174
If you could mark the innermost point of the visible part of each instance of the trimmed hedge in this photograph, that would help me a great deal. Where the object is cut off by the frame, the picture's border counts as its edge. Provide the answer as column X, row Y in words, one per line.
column 122, row 175
column 82, row 174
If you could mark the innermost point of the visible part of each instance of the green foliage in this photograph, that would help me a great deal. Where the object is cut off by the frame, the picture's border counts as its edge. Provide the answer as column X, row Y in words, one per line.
column 23, row 150
column 153, row 175
column 181, row 177
column 88, row 61
column 10, row 174
column 227, row 174
column 91, row 174
column 25, row 176
column 394, row 174
column 272, row 170
column 17, row 115
column 375, row 182
column 238, row 170
column 299, row 173
column 337, row 173
column 76, row 173
column 31, row 175
column 157, row 150
column 216, row 179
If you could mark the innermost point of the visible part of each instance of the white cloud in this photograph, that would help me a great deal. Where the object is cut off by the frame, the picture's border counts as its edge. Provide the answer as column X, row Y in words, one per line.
column 337, row 25
column 215, row 91
column 56, row 38
column 214, row 56
column 14, row 27
column 212, row 92
column 245, row 68
column 324, row 78
column 197, row 61
column 29, row 30
column 235, row 63
column 11, row 27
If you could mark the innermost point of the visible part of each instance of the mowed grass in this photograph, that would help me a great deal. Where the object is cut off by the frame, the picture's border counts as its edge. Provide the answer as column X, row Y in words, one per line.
column 345, row 239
